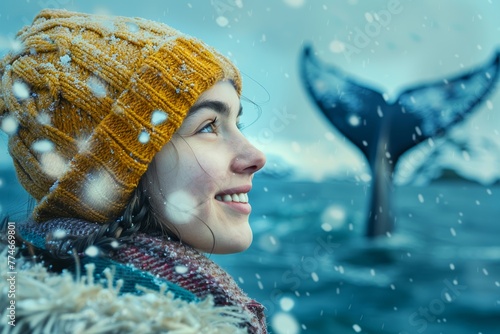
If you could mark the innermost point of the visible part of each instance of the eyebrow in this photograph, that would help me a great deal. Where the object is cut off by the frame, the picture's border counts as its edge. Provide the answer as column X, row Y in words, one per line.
column 217, row 106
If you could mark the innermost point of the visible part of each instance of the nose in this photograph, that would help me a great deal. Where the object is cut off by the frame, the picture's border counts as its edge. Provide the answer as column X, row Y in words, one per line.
column 248, row 159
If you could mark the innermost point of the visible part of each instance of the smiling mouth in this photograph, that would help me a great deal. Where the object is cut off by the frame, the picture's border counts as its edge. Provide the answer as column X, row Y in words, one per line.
column 238, row 198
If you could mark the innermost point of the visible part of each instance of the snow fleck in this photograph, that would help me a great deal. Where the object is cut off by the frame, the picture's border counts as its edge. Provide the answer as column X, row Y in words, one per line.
column 10, row 125
column 222, row 21
column 314, row 276
column 99, row 190
column 115, row 244
column 286, row 304
column 261, row 286
column 82, row 144
column 337, row 46
column 365, row 177
column 266, row 189
column 144, row 137
column 420, row 198
column 485, row 272
column 53, row 164
column 478, row 202
column 329, row 136
column 453, row 232
column 448, row 297
column 238, row 3
column 59, row 233
column 488, row 191
column 365, row 143
column 356, row 328
column 97, row 87
column 333, row 217
column 379, row 112
column 65, row 60
column 372, row 272
column 132, row 27
column 393, row 287
column 369, row 17
column 452, row 266
column 92, row 251
column 180, row 207
column 43, row 146
column 241, row 280
column 180, row 269
column 43, row 118
column 489, row 104
column 354, row 120
column 158, row 117
column 326, row 227
column 20, row 90
column 284, row 323
column 295, row 3
column 497, row 283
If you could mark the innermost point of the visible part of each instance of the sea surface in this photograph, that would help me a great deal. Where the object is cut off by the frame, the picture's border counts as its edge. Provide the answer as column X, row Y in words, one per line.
column 313, row 269
column 315, row 272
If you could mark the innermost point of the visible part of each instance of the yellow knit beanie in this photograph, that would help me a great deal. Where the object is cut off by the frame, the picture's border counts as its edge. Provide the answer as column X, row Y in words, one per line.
column 89, row 100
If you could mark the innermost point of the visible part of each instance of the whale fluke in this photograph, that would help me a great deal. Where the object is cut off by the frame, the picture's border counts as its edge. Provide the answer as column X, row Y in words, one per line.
column 383, row 130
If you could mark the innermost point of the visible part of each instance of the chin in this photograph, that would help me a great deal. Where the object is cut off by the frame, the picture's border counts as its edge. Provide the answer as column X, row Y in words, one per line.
column 235, row 246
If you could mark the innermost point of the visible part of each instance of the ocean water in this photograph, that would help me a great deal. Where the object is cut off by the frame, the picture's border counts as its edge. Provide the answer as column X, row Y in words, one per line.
column 315, row 272
column 313, row 269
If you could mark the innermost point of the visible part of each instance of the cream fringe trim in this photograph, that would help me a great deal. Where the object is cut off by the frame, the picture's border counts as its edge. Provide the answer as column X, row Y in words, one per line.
column 51, row 303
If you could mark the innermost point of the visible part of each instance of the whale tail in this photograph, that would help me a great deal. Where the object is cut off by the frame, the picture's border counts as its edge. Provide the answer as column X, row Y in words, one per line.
column 384, row 130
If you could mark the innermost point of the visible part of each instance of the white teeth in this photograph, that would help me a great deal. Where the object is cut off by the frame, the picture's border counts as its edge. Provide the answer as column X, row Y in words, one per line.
column 239, row 198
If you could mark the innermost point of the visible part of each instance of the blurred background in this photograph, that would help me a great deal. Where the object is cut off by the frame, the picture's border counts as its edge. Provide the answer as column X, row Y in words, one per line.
column 310, row 264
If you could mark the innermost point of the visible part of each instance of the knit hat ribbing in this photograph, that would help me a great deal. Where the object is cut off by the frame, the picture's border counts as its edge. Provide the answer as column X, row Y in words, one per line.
column 95, row 98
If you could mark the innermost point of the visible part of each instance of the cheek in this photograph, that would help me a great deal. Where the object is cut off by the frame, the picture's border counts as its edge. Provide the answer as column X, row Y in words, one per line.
column 181, row 207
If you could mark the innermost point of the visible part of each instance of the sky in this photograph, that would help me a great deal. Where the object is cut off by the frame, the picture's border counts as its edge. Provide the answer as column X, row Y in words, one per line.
column 415, row 41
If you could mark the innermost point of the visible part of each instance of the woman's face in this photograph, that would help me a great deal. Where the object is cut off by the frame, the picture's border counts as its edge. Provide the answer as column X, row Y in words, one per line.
column 204, row 174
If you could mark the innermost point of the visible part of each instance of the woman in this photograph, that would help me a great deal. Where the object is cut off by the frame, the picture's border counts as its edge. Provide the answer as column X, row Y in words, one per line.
column 126, row 134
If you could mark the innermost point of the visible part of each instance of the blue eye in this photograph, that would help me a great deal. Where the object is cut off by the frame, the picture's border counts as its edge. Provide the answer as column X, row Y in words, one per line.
column 209, row 128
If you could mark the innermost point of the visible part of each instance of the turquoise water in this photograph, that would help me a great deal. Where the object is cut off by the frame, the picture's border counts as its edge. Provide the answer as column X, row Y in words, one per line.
column 312, row 268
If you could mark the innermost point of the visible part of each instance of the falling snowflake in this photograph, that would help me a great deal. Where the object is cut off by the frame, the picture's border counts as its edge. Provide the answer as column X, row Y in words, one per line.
column 144, row 137
column 286, row 303
column 222, row 21
column 10, row 125
column 65, row 60
column 100, row 189
column 284, row 323
column 180, row 207
column 180, row 269
column 53, row 164
column 43, row 146
column 20, row 90
column 97, row 87
column 158, row 117
column 92, row 251
column 59, row 234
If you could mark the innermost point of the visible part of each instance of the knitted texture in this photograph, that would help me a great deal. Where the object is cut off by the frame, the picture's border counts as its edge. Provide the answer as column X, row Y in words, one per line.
column 94, row 98
column 47, row 302
column 160, row 258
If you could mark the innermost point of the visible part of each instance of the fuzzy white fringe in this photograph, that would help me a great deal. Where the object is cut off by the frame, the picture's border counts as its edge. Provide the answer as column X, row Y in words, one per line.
column 52, row 303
